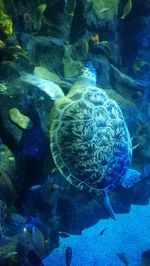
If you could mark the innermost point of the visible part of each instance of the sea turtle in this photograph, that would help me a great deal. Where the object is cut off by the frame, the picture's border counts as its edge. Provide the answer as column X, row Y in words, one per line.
column 89, row 139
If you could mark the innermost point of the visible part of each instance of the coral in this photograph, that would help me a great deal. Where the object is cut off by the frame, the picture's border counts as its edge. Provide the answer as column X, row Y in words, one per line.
column 142, row 153
column 2, row 87
column 1, row 6
column 8, row 248
column 71, row 67
column 27, row 17
column 6, row 25
column 105, row 9
column 19, row 119
column 41, row 9
column 3, row 214
column 38, row 16
column 7, row 191
column 95, row 39
column 7, row 162
column 16, row 52
column 2, row 44
column 80, row 50
column 28, row 21
column 13, row 52
column 46, row 74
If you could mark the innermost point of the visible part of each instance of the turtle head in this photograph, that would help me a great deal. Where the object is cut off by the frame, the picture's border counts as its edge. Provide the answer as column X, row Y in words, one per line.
column 88, row 72
column 87, row 75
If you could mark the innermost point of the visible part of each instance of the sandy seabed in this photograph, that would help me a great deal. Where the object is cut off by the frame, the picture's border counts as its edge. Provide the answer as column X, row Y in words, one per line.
column 129, row 234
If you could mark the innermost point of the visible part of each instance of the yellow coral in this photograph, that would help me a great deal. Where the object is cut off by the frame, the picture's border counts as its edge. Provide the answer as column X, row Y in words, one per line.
column 19, row 119
column 6, row 25
column 95, row 39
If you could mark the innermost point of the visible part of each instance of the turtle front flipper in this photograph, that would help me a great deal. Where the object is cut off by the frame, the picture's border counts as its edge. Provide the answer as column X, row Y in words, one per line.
column 130, row 178
column 49, row 87
column 109, row 207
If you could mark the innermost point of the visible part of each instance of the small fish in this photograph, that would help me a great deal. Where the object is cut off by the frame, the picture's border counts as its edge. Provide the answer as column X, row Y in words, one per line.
column 127, row 9
column 68, row 256
column 102, row 231
column 104, row 42
column 135, row 146
column 64, row 234
column 105, row 9
column 11, row 254
column 35, row 187
column 37, row 239
column 123, row 258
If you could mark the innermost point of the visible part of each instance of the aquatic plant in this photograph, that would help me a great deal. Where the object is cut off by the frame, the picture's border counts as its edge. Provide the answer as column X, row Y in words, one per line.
column 6, row 25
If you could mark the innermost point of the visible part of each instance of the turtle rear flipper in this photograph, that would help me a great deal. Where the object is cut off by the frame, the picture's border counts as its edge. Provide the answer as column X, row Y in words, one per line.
column 49, row 87
column 109, row 207
column 130, row 178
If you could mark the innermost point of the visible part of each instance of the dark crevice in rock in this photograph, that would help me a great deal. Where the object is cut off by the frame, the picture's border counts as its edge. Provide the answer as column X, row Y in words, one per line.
column 129, row 29
column 55, row 11
column 79, row 23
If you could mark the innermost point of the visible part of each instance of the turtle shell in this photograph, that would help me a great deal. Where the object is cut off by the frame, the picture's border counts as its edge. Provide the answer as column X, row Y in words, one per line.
column 90, row 142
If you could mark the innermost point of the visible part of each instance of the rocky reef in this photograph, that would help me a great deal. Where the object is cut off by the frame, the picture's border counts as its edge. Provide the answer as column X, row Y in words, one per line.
column 54, row 39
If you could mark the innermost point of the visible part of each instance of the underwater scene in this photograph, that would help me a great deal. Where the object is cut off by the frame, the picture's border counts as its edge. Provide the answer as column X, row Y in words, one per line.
column 74, row 132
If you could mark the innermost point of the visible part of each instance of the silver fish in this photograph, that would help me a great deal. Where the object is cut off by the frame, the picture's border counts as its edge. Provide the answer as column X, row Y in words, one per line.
column 37, row 238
